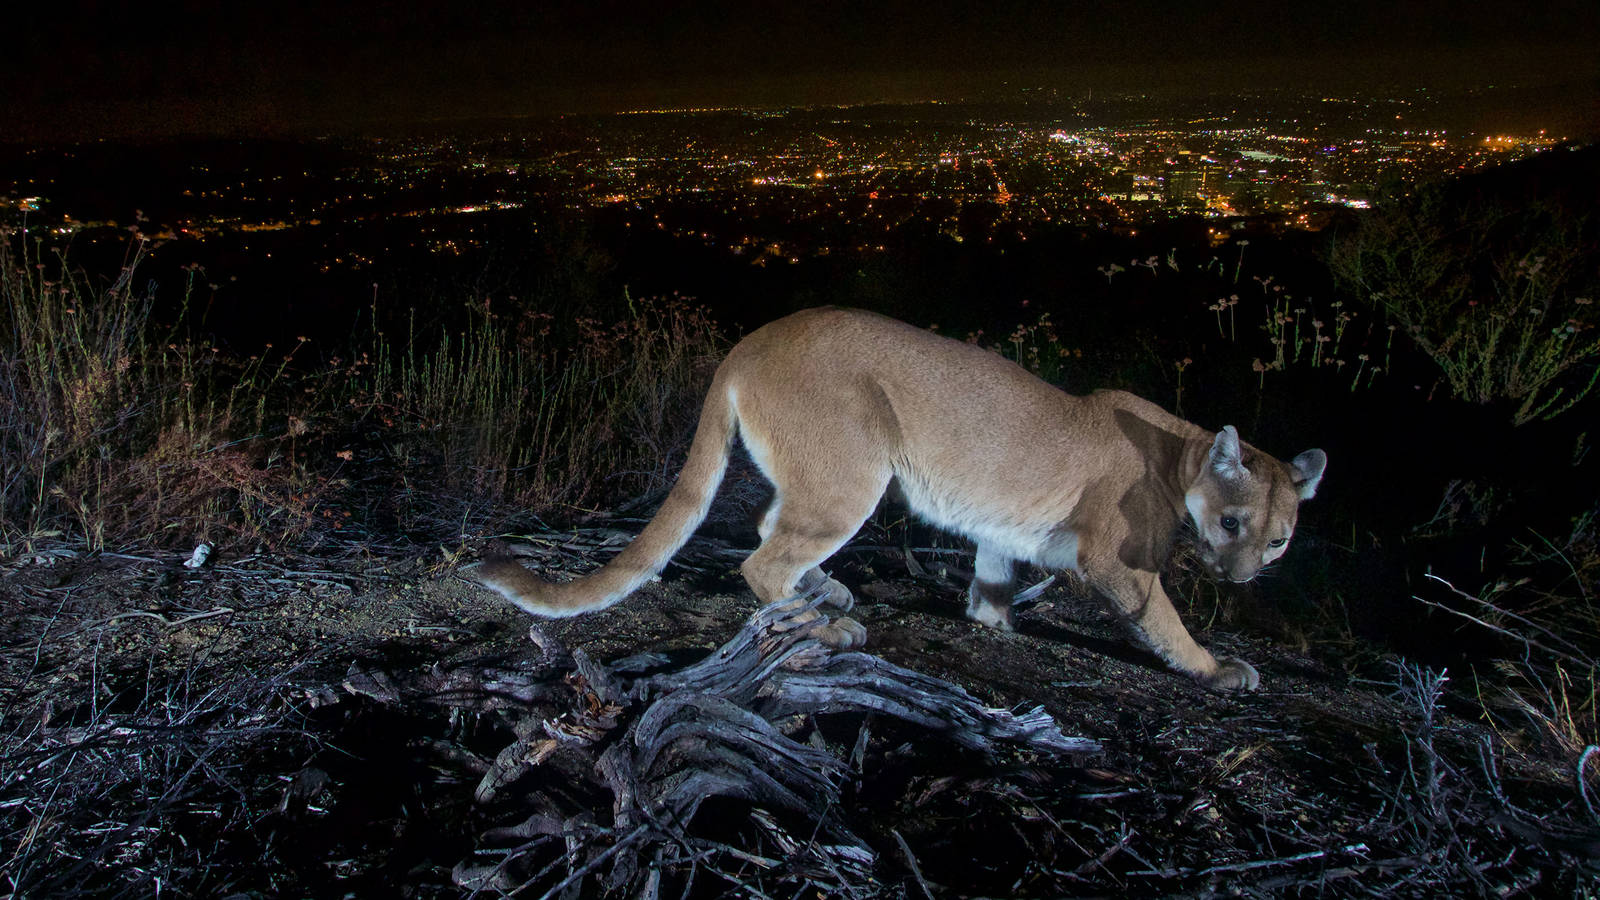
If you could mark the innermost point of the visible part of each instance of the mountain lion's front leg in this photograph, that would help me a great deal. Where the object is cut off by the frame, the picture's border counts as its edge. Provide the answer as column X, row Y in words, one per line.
column 993, row 583
column 1138, row 596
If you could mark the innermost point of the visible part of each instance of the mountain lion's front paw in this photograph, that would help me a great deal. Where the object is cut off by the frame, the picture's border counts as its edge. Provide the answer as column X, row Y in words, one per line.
column 1233, row 675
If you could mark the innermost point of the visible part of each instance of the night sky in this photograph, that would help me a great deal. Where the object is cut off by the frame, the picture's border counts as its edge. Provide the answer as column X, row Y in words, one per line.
column 90, row 69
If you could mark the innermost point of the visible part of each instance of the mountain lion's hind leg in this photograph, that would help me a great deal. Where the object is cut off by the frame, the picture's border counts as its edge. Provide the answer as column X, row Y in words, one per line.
column 799, row 536
column 836, row 595
column 993, row 583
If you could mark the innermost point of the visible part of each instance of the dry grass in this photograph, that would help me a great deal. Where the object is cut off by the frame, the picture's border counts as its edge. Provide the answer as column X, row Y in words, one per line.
column 522, row 418
column 118, row 430
column 1545, row 687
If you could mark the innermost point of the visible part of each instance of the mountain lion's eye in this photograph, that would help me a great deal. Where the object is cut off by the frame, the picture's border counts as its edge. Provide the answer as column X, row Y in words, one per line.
column 1230, row 524
column 1278, row 543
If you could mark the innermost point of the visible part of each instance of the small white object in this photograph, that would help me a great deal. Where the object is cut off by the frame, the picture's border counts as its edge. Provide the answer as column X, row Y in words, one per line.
column 1023, row 596
column 198, row 558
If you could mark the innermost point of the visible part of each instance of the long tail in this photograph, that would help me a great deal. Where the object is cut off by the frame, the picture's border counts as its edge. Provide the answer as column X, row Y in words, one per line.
column 682, row 512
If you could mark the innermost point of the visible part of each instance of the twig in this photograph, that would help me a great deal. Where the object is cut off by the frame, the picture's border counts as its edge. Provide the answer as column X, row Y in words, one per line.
column 914, row 567
column 38, row 655
column 1526, row 641
column 1576, row 578
column 1153, row 872
column 911, row 862
column 595, row 863
column 879, row 548
column 284, row 576
column 1100, row 861
column 1031, row 593
column 1282, row 861
column 1583, row 785
column 747, row 887
column 1324, row 876
column 128, row 556
column 170, row 623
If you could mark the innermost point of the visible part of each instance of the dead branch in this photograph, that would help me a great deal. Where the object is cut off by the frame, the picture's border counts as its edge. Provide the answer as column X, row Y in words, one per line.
column 1572, row 654
column 662, row 746
column 170, row 623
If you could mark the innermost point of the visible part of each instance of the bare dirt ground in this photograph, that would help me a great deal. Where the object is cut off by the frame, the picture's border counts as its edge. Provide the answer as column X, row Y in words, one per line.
column 264, row 726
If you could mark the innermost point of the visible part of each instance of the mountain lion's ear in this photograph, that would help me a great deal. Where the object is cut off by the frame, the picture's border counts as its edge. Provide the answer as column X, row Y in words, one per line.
column 1308, row 468
column 1225, row 454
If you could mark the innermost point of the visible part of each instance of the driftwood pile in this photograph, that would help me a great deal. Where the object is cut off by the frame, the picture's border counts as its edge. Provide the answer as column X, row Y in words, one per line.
column 615, row 773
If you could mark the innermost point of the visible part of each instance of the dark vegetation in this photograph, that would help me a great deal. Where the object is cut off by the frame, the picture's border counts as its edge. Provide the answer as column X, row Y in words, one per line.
column 1438, row 607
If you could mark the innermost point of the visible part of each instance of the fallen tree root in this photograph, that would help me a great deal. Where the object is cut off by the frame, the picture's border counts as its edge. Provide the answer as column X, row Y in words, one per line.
column 660, row 746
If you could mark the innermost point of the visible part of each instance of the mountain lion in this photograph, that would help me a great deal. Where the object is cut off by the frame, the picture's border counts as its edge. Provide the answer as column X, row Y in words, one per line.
column 833, row 404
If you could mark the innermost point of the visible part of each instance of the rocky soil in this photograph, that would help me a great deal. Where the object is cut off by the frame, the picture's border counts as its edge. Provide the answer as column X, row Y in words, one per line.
column 273, row 726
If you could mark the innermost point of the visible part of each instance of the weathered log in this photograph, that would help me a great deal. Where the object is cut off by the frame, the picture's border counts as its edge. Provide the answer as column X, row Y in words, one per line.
column 663, row 744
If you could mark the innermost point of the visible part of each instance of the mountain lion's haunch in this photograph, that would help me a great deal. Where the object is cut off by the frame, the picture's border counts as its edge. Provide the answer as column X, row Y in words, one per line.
column 834, row 403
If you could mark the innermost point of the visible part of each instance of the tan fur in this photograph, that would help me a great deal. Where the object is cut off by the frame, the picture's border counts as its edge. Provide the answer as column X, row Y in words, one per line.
column 834, row 403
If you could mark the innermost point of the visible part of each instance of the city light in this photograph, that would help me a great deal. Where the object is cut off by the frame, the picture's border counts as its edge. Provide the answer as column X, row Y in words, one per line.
column 791, row 184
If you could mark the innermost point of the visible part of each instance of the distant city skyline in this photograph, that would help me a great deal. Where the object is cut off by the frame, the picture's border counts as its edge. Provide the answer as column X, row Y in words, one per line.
column 83, row 70
column 779, row 185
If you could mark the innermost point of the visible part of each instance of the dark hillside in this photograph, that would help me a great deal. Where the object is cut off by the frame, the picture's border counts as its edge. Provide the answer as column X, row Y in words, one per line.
column 321, row 706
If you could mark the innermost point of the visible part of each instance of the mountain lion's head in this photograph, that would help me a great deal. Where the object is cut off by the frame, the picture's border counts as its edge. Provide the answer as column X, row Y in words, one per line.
column 1244, row 505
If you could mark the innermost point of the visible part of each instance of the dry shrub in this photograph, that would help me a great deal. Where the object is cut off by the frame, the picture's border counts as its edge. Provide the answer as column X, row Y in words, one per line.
column 1541, row 688
column 73, row 376
column 119, row 435
column 1499, row 293
column 515, row 414
column 117, row 431
column 238, row 491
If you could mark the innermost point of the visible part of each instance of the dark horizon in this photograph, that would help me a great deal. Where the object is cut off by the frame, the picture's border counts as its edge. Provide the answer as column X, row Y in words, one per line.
column 88, row 70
